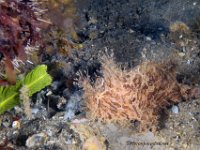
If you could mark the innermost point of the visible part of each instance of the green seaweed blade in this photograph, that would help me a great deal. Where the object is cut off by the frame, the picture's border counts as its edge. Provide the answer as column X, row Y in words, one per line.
column 36, row 80
column 9, row 98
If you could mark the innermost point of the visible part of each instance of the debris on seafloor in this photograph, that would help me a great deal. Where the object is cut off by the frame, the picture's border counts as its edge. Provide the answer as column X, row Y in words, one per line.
column 92, row 144
column 90, row 139
column 180, row 34
column 179, row 27
column 36, row 140
column 141, row 94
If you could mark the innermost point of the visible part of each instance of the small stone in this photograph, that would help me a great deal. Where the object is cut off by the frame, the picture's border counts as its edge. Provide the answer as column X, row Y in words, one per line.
column 131, row 31
column 16, row 125
column 15, row 133
column 78, row 121
column 188, row 62
column 36, row 140
column 185, row 145
column 181, row 54
column 92, row 21
column 181, row 36
column 6, row 124
column 35, row 110
column 18, row 109
column 175, row 109
column 49, row 93
column 148, row 38
column 93, row 144
column 61, row 102
column 93, row 35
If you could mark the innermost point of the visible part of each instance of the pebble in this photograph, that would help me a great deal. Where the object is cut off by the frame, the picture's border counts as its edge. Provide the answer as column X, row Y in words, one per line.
column 148, row 38
column 181, row 54
column 18, row 109
column 6, row 124
column 61, row 102
column 175, row 109
column 35, row 110
column 93, row 144
column 185, row 145
column 188, row 62
column 16, row 125
column 131, row 31
column 36, row 140
column 49, row 93
column 52, row 130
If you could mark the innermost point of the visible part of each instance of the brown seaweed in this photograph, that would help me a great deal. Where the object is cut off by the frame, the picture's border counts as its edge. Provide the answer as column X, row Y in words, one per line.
column 18, row 28
column 137, row 94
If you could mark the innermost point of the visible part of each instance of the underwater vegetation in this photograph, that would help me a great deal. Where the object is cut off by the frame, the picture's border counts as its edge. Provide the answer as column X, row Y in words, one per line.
column 23, row 31
column 141, row 93
column 20, row 26
column 61, row 37
column 33, row 82
column 65, row 17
